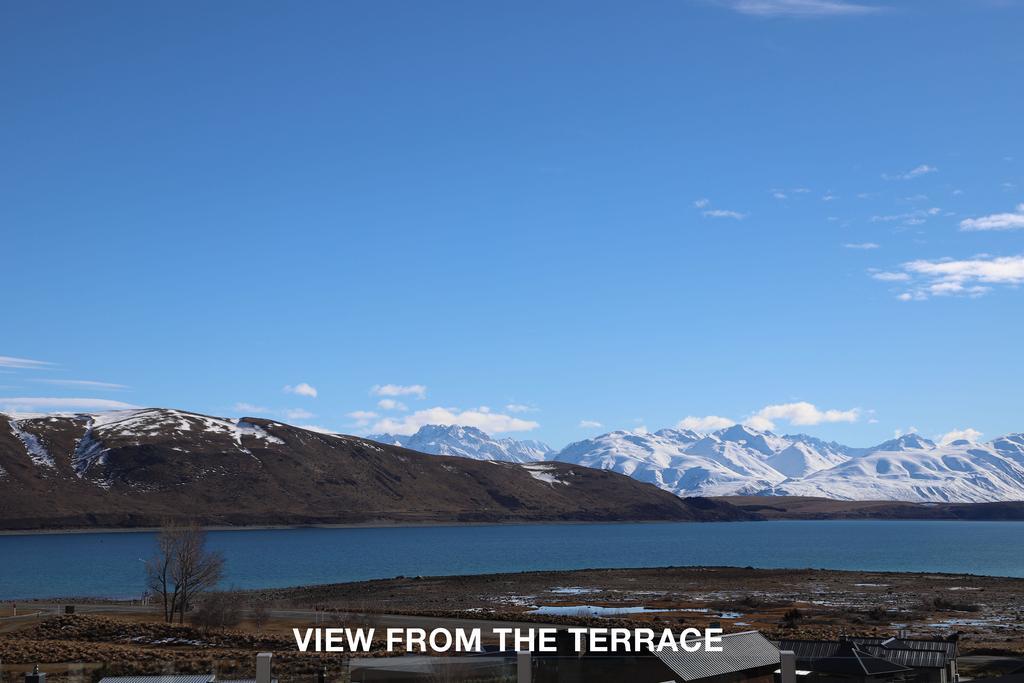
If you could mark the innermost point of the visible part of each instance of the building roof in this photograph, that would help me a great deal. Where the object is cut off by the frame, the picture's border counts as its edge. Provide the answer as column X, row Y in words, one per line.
column 918, row 659
column 921, row 653
column 809, row 649
column 740, row 652
column 904, row 652
column 841, row 657
column 427, row 664
column 950, row 647
column 200, row 678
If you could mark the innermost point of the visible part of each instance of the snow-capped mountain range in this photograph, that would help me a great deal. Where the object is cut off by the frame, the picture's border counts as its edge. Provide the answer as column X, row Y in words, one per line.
column 740, row 460
column 468, row 442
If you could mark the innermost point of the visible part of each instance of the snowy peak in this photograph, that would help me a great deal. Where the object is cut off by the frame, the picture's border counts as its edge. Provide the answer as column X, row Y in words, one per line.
column 765, row 443
column 800, row 459
column 679, row 435
column 467, row 442
column 907, row 442
column 832, row 448
column 1011, row 446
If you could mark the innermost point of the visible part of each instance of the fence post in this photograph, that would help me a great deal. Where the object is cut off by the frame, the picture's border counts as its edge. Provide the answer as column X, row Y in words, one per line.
column 523, row 663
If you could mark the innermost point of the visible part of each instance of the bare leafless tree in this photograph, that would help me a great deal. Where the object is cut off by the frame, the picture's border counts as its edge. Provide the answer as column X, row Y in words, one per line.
column 260, row 614
column 160, row 570
column 182, row 568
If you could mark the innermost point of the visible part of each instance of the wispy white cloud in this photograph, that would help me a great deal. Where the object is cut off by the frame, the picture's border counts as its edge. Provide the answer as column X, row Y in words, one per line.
column 482, row 418
column 949, row 277
column 318, row 428
column 391, row 404
column 297, row 414
column 996, row 221
column 800, row 8
column 362, row 418
column 520, row 408
column 90, row 384
column 968, row 434
column 50, row 404
column 724, row 213
column 717, row 213
column 301, row 389
column 909, row 218
column 800, row 413
column 23, row 363
column 590, row 424
column 251, row 408
column 707, row 423
column 886, row 276
column 916, row 172
column 860, row 245
column 417, row 390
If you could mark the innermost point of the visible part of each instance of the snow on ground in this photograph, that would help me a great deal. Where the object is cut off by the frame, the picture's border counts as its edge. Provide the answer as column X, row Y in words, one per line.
column 243, row 428
column 542, row 472
column 36, row 451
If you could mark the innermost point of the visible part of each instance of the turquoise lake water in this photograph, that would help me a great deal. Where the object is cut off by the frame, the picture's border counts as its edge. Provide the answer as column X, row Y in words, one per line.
column 111, row 564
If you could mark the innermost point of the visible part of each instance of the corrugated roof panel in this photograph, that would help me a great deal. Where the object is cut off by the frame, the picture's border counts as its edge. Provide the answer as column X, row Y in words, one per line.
column 913, row 658
column 810, row 649
column 740, row 651
column 201, row 678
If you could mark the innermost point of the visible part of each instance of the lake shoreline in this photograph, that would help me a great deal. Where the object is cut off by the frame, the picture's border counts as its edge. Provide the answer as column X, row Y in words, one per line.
column 441, row 525
column 355, row 525
column 755, row 509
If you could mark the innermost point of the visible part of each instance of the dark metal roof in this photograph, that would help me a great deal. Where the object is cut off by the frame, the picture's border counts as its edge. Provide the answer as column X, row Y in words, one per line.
column 840, row 657
column 912, row 651
column 202, row 678
column 950, row 647
column 740, row 652
column 428, row 665
column 928, row 659
column 810, row 649
column 903, row 652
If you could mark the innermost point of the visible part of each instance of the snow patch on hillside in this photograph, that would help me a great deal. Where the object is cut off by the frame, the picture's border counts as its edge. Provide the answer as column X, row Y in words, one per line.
column 35, row 449
column 542, row 472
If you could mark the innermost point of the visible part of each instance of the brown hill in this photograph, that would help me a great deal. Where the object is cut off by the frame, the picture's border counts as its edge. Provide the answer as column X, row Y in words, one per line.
column 803, row 507
column 136, row 468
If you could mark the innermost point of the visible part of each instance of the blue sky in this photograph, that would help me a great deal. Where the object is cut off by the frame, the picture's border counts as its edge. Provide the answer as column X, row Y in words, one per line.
column 548, row 219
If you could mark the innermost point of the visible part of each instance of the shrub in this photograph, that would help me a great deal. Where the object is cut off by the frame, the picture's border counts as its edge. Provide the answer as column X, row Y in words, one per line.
column 792, row 617
column 877, row 613
column 217, row 611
